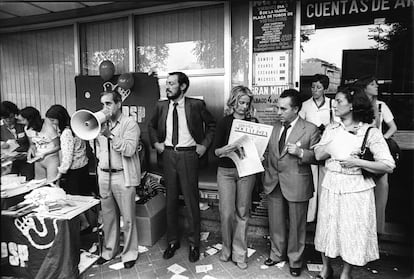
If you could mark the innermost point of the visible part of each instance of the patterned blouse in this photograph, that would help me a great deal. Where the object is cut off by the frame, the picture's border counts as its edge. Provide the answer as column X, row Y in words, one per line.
column 348, row 180
column 73, row 152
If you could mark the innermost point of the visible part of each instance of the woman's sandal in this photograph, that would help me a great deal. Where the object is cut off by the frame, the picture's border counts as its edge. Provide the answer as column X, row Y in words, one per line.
column 329, row 276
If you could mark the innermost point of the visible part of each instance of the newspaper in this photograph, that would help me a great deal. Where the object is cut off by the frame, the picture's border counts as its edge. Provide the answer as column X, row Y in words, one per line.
column 259, row 133
column 251, row 139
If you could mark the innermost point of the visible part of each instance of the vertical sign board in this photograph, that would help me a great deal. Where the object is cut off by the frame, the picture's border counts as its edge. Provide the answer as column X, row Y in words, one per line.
column 272, row 55
column 272, row 25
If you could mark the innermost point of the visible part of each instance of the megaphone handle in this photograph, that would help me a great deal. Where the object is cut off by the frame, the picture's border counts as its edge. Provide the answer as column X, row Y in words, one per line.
column 109, row 163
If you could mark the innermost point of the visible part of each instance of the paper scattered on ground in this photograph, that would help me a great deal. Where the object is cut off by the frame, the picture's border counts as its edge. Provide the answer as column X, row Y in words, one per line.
column 374, row 271
column 314, row 267
column 179, row 276
column 250, row 252
column 208, row 277
column 263, row 266
column 218, row 246
column 204, row 236
column 203, row 268
column 176, row 268
column 280, row 264
column 142, row 249
column 86, row 260
column 211, row 251
column 117, row 266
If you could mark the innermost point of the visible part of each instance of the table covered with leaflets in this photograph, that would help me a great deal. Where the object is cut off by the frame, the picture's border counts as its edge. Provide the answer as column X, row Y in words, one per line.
column 40, row 236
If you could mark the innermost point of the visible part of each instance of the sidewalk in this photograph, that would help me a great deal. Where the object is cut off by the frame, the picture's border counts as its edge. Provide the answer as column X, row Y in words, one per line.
column 151, row 264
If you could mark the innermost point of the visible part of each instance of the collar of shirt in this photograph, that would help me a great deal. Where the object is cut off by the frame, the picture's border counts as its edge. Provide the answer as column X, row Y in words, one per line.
column 113, row 124
column 180, row 103
column 292, row 124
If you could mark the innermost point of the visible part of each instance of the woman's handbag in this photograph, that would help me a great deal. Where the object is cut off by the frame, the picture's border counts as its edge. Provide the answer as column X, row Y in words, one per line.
column 394, row 149
column 366, row 154
column 392, row 145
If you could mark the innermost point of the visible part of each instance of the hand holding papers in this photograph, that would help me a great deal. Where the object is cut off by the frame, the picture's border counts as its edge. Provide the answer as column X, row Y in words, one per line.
column 342, row 145
column 247, row 144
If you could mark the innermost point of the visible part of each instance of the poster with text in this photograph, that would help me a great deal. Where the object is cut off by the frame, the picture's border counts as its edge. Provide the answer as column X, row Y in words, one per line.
column 272, row 25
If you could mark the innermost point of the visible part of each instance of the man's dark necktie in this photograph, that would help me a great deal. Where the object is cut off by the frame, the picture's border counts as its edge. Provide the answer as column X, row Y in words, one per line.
column 175, row 126
column 283, row 139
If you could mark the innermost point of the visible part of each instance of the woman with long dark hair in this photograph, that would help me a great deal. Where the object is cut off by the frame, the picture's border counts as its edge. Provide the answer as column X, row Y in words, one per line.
column 346, row 224
column 383, row 115
column 44, row 143
column 74, row 162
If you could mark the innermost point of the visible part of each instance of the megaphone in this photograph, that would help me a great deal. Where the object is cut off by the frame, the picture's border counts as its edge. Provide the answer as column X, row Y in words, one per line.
column 86, row 124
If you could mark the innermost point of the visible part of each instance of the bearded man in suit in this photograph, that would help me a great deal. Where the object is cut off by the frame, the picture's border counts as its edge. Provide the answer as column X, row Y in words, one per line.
column 181, row 129
column 288, row 181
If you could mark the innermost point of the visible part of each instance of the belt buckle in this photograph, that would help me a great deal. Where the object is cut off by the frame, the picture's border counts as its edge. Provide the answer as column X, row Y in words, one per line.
column 175, row 148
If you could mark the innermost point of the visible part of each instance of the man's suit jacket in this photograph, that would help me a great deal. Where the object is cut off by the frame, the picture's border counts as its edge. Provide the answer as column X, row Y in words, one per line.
column 292, row 173
column 201, row 123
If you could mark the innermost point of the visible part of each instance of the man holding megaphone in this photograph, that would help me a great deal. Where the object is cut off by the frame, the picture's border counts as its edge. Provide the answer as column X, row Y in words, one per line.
column 119, row 172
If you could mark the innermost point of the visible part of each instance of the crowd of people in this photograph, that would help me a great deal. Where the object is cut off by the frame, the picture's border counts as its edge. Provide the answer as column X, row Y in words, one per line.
column 305, row 179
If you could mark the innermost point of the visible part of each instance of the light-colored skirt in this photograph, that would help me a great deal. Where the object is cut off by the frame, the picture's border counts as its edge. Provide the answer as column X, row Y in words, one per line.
column 346, row 226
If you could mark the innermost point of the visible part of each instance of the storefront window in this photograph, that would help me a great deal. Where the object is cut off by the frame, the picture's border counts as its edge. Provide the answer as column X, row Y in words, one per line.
column 189, row 39
column 105, row 40
column 240, row 44
column 357, row 41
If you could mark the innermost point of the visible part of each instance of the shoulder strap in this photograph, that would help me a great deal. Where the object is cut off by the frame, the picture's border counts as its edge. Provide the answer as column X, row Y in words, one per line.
column 363, row 146
column 330, row 111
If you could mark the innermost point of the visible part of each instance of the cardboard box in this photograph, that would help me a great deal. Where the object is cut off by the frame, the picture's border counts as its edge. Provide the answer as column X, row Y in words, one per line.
column 151, row 220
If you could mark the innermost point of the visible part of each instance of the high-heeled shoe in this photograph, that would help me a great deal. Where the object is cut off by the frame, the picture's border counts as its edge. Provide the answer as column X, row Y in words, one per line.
column 328, row 276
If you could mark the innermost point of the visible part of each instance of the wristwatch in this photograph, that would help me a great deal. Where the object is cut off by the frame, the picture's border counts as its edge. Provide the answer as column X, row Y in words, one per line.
column 301, row 153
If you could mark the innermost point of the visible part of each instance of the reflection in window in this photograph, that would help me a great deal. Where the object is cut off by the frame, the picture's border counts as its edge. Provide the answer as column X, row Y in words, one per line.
column 105, row 40
column 188, row 39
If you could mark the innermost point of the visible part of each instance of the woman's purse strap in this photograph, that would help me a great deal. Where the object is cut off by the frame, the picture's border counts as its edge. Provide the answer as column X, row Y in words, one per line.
column 364, row 142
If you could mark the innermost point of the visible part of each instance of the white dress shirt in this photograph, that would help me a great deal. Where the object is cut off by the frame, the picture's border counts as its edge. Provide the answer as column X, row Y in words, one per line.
column 184, row 137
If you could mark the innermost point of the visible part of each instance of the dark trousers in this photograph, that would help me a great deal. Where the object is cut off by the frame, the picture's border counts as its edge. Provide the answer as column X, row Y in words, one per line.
column 76, row 181
column 287, row 238
column 181, row 172
column 21, row 167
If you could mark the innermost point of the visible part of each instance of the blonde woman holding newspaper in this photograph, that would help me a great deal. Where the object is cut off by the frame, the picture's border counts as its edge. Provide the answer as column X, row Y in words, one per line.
column 234, row 191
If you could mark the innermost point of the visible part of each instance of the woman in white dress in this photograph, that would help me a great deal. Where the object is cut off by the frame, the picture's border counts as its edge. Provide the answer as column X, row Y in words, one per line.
column 384, row 115
column 346, row 224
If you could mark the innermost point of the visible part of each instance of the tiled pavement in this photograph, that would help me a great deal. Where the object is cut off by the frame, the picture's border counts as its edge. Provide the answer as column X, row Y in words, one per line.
column 151, row 264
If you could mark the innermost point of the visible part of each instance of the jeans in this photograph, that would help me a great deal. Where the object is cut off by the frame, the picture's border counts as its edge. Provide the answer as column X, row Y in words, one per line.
column 234, row 204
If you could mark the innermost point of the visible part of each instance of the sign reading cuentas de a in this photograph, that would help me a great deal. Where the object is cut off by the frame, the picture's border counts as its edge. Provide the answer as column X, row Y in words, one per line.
column 336, row 13
column 272, row 25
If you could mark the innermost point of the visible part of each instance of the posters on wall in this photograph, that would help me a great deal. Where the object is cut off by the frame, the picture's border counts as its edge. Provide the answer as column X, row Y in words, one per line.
column 272, row 25
column 272, row 55
column 271, row 76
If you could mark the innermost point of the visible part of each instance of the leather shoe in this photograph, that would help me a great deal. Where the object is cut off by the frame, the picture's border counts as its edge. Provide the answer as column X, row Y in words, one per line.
column 295, row 271
column 194, row 254
column 129, row 264
column 101, row 261
column 270, row 262
column 170, row 251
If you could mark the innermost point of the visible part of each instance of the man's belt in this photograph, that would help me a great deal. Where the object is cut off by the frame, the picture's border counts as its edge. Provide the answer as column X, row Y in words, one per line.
column 111, row 170
column 176, row 148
